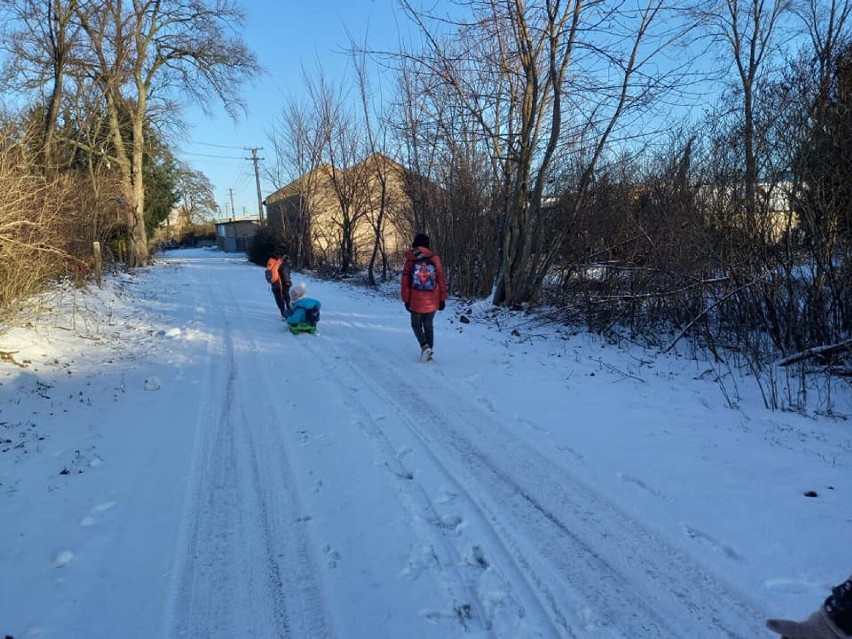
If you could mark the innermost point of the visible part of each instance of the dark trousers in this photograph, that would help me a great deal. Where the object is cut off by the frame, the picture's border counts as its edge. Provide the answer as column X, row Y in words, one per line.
column 421, row 324
column 282, row 298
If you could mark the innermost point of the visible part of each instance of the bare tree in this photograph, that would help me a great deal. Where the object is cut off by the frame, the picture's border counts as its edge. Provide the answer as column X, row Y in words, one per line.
column 450, row 180
column 143, row 50
column 41, row 43
column 749, row 28
column 342, row 149
column 412, row 120
column 380, row 193
column 827, row 24
column 821, row 148
column 297, row 143
column 198, row 201
column 510, row 71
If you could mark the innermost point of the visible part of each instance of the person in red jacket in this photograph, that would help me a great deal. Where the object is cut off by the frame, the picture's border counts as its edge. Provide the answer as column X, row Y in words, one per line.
column 424, row 291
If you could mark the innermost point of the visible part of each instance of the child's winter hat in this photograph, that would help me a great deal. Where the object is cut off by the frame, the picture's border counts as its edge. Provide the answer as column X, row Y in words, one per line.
column 421, row 239
column 298, row 292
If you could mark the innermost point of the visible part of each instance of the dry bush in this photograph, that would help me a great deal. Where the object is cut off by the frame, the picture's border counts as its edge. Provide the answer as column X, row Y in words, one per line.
column 666, row 262
column 90, row 213
column 638, row 254
column 31, row 223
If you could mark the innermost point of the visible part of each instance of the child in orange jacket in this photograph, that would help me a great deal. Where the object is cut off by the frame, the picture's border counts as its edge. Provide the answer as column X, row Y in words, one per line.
column 278, row 276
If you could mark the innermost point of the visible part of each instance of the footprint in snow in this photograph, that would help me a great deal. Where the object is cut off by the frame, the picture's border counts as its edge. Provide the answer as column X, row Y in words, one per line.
column 485, row 402
column 570, row 451
column 446, row 496
column 796, row 585
column 420, row 559
column 63, row 558
column 698, row 535
column 333, row 555
column 89, row 520
column 531, row 424
column 478, row 557
column 628, row 479
column 451, row 523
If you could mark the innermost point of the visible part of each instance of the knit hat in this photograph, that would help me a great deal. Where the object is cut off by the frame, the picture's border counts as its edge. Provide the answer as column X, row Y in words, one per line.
column 298, row 292
column 421, row 239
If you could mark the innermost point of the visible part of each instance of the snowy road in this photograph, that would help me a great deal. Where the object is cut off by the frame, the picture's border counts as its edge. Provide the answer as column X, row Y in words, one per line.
column 562, row 545
column 505, row 539
column 246, row 567
column 273, row 485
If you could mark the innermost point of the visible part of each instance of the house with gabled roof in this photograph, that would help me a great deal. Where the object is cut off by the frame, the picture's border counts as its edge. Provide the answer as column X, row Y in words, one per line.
column 325, row 203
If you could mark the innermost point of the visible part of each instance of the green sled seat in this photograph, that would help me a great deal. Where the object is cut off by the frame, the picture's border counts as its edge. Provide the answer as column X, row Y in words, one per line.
column 303, row 327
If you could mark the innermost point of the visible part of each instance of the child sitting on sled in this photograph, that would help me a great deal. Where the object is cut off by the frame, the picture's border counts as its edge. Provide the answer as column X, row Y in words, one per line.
column 304, row 311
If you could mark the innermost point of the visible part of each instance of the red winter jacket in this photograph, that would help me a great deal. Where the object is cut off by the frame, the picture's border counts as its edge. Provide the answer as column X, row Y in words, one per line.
column 423, row 301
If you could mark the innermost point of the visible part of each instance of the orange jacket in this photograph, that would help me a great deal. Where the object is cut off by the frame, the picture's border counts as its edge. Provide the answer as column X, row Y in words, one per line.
column 279, row 271
column 420, row 301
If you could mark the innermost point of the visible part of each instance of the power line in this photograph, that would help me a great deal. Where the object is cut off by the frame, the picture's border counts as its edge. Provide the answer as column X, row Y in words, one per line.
column 221, row 146
column 241, row 176
column 206, row 155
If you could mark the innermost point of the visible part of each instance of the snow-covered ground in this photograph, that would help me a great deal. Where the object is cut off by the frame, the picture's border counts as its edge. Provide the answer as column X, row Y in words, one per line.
column 174, row 463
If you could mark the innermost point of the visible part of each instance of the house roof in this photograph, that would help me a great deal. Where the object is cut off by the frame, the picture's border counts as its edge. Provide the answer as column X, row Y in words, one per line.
column 323, row 170
column 293, row 187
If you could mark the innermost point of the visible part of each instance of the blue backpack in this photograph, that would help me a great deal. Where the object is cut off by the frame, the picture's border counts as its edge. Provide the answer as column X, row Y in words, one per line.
column 424, row 274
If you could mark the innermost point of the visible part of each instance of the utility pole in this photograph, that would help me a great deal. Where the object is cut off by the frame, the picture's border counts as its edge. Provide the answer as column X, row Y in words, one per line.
column 256, row 160
column 233, row 210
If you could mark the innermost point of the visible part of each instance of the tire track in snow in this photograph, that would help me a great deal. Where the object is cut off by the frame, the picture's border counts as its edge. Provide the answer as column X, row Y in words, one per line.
column 460, row 583
column 564, row 536
column 246, row 569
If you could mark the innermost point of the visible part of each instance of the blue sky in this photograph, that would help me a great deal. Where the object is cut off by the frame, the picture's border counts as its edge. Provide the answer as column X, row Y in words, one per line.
column 285, row 36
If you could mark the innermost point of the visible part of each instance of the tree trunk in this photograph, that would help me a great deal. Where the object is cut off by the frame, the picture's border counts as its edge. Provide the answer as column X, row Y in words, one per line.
column 52, row 116
column 138, row 236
